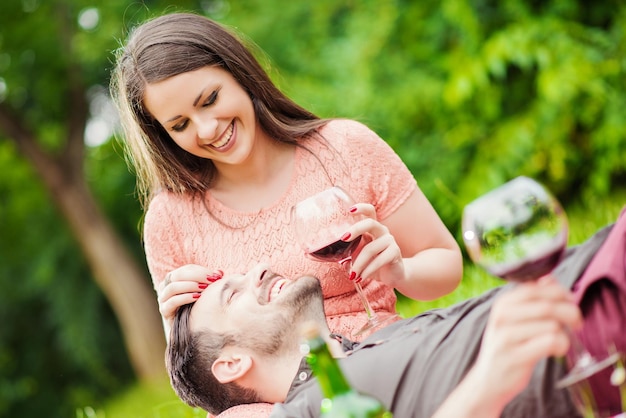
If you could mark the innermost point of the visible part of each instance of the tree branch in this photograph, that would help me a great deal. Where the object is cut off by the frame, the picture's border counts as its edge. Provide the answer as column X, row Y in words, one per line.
column 24, row 138
column 78, row 107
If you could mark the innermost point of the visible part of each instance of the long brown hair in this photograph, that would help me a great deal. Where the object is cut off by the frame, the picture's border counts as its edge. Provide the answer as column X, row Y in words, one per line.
column 177, row 43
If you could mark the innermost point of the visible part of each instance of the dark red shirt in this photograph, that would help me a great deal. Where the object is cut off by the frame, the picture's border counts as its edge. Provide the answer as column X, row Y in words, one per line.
column 601, row 294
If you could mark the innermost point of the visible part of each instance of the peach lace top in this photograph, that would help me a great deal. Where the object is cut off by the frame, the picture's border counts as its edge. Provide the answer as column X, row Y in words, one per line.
column 179, row 230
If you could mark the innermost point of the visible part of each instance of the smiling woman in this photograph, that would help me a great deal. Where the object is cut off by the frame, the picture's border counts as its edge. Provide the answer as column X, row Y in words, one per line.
column 221, row 157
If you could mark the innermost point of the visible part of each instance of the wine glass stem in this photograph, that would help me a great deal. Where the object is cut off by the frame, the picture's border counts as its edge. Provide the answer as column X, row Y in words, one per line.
column 366, row 304
column 580, row 354
column 583, row 363
column 347, row 264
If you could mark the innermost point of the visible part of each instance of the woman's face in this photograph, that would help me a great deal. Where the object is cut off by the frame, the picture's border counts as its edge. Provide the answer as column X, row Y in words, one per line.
column 206, row 112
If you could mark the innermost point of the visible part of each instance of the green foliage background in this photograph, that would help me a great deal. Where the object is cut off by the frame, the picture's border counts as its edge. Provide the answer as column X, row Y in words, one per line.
column 469, row 93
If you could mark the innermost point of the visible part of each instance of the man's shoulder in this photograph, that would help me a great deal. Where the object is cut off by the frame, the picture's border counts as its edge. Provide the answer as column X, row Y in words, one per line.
column 576, row 258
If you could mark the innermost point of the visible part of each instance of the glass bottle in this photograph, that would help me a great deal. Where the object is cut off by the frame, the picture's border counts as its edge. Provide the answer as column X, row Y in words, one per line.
column 340, row 399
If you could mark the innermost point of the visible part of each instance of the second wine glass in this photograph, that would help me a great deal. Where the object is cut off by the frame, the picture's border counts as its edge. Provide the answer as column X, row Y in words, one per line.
column 320, row 221
column 518, row 232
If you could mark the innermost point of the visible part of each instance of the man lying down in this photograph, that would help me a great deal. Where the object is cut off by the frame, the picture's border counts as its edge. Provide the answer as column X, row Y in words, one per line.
column 495, row 355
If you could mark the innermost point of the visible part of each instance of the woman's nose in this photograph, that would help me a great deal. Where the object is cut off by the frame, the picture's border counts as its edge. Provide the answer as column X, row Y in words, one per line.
column 207, row 128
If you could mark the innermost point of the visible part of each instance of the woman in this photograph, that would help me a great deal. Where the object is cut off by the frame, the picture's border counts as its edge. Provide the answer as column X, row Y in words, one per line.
column 221, row 156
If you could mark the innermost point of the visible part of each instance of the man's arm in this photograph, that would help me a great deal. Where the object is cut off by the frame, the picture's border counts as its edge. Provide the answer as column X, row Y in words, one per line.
column 526, row 325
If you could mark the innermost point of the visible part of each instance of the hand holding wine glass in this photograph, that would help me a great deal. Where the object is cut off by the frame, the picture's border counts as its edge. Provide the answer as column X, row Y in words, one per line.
column 518, row 232
column 320, row 222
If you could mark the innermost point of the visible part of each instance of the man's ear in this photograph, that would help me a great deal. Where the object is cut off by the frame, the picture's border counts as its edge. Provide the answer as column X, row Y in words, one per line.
column 231, row 366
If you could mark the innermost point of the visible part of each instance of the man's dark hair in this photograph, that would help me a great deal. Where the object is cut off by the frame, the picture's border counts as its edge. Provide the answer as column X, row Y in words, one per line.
column 189, row 358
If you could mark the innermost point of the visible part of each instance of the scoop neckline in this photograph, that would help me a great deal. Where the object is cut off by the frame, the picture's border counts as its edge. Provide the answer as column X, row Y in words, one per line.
column 212, row 201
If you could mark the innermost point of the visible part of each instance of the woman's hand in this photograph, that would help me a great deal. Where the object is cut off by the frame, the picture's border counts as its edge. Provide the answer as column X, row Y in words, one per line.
column 379, row 254
column 411, row 249
column 183, row 286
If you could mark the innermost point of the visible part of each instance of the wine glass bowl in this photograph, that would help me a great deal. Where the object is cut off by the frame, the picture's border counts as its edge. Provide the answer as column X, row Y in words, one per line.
column 516, row 232
column 320, row 221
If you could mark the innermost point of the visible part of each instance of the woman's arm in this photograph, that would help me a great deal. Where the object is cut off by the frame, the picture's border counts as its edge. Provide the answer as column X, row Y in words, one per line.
column 433, row 264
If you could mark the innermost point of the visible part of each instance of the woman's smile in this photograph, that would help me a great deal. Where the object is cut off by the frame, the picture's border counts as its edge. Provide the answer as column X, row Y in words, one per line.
column 226, row 140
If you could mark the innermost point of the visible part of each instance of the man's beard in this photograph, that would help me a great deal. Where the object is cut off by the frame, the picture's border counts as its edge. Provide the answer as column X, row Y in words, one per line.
column 303, row 305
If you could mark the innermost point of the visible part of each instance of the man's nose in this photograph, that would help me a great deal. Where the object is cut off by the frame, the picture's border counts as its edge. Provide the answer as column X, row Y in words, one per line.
column 257, row 273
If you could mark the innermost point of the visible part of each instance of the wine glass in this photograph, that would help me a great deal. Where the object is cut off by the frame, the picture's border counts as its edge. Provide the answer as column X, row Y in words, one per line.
column 518, row 232
column 320, row 221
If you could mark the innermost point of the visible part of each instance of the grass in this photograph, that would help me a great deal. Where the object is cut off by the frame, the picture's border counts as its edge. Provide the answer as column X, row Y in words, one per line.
column 150, row 400
column 158, row 400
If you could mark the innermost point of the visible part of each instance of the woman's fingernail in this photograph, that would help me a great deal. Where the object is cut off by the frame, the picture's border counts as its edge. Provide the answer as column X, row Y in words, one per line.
column 214, row 277
column 203, row 285
column 353, row 209
column 345, row 236
column 196, row 295
column 359, row 280
column 352, row 275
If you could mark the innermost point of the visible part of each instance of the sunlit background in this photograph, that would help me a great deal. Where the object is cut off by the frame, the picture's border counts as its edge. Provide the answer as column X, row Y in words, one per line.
column 469, row 93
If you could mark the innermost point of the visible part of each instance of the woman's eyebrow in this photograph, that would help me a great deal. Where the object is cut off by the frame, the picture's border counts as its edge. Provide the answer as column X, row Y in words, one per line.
column 173, row 119
column 195, row 103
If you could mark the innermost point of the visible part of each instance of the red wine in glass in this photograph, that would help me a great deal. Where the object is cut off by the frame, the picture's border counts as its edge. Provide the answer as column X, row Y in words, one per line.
column 529, row 270
column 337, row 251
column 323, row 218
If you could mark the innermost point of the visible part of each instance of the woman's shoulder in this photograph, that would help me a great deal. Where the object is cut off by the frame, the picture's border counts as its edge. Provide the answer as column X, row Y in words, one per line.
column 159, row 199
column 164, row 202
column 170, row 214
column 348, row 135
column 346, row 127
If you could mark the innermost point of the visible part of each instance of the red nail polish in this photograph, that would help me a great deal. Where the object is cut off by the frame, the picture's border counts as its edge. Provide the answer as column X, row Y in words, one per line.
column 359, row 280
column 345, row 236
column 352, row 275
column 196, row 295
column 353, row 209
column 214, row 277
column 203, row 285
